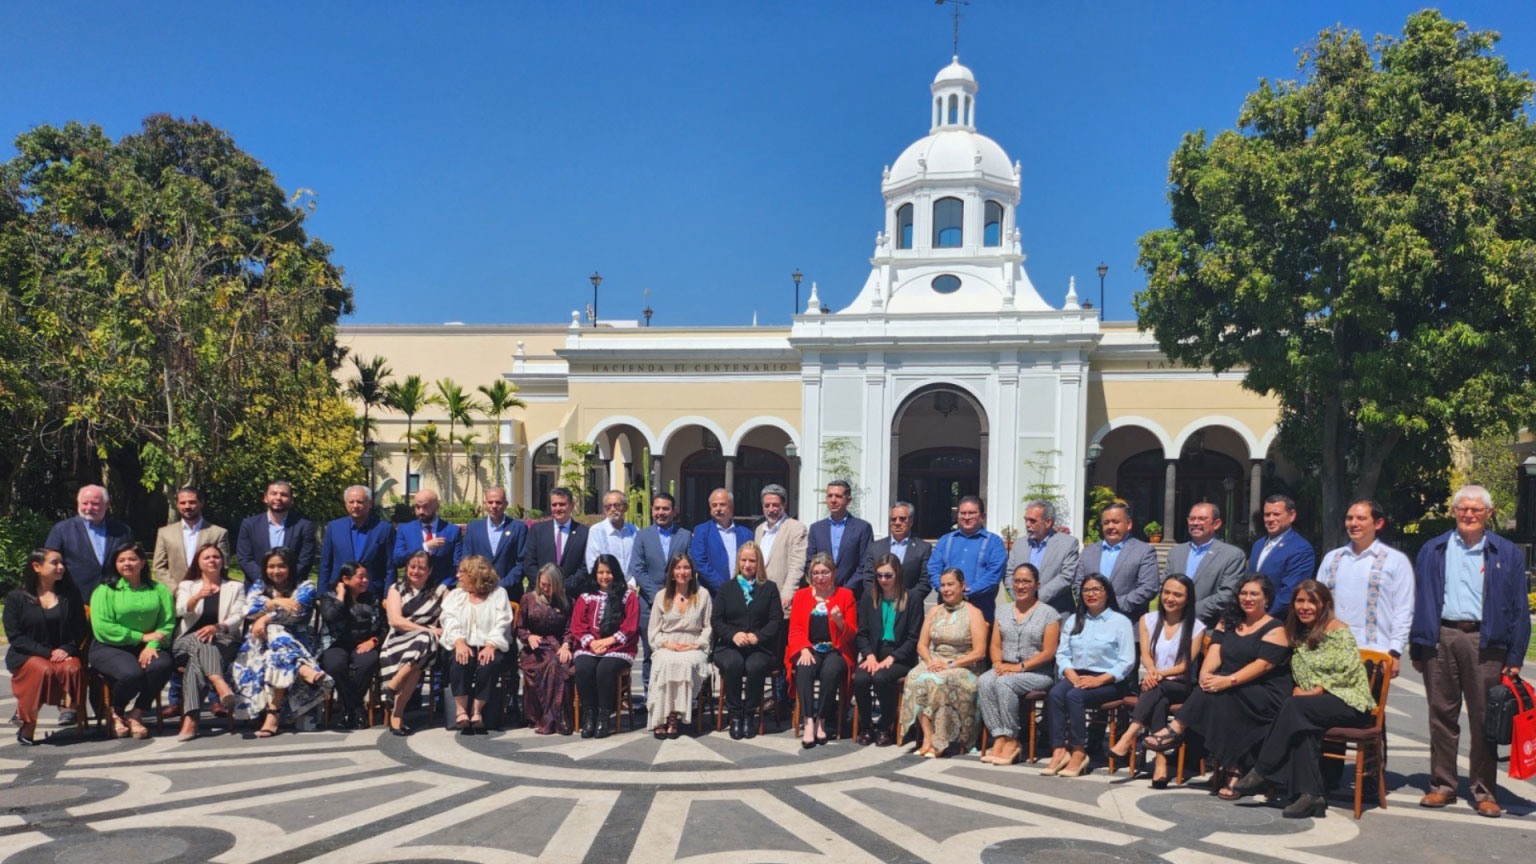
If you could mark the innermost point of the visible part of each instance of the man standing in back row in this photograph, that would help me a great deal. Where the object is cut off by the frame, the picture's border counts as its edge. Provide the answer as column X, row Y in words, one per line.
column 977, row 552
column 1284, row 556
column 783, row 539
column 1214, row 566
column 278, row 526
column 1129, row 564
column 1052, row 553
column 845, row 536
column 87, row 539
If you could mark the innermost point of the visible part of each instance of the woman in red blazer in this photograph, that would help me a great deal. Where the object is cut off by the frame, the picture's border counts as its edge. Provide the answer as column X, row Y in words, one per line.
column 823, row 631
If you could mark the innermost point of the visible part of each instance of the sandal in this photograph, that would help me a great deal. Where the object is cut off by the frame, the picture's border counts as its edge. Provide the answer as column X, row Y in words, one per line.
column 1163, row 740
column 661, row 732
column 462, row 722
column 264, row 732
column 138, row 729
column 120, row 729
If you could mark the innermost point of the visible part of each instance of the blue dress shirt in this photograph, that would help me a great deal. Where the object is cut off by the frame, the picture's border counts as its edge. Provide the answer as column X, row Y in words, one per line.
column 98, row 535
column 276, row 532
column 1036, row 552
column 836, row 531
column 1463, row 580
column 1109, row 556
column 665, row 536
column 1107, row 644
column 1196, row 553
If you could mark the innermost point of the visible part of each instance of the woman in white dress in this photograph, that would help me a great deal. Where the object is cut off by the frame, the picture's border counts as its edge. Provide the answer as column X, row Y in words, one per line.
column 680, row 635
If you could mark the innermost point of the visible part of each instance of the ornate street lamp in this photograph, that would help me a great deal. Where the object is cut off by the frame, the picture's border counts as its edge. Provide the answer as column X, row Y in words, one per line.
column 797, row 276
column 597, row 280
column 368, row 458
column 1102, row 270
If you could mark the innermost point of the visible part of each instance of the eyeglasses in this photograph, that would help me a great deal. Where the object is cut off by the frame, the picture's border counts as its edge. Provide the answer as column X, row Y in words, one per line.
column 1469, row 510
column 614, row 505
column 882, row 574
column 901, row 518
column 1091, row 590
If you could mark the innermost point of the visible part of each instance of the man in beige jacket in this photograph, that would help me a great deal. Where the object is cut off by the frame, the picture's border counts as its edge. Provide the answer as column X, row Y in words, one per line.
column 176, row 543
column 783, row 541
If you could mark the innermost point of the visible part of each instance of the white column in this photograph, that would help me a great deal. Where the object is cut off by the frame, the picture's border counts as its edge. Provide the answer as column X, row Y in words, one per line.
column 1003, row 441
column 876, row 472
column 1073, row 434
column 810, row 433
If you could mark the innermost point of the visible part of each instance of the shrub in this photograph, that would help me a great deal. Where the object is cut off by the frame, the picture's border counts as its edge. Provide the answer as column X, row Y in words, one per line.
column 20, row 533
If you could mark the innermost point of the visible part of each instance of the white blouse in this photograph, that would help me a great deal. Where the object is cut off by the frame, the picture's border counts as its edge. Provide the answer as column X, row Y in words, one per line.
column 488, row 622
column 1165, row 651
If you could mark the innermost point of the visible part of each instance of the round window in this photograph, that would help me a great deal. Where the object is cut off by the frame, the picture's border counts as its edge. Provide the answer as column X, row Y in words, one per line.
column 946, row 284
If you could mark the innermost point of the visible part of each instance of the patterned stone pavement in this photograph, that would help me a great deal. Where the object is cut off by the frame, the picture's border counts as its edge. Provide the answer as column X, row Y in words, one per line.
column 515, row 796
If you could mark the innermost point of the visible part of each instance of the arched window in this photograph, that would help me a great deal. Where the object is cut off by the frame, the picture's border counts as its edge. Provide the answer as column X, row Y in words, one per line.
column 948, row 219
column 546, row 473
column 954, row 110
column 992, row 227
column 904, row 226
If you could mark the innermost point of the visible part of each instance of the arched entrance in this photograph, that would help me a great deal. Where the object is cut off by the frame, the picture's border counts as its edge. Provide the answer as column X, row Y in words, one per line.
column 703, row 472
column 939, row 451
column 1203, row 475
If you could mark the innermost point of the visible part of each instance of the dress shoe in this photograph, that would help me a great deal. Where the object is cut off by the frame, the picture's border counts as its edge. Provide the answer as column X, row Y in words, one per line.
column 749, row 726
column 589, row 723
column 400, row 731
column 866, row 738
column 23, row 740
column 604, row 727
column 738, row 728
column 67, row 717
column 1436, row 799
column 1484, row 808
column 1306, row 805
column 170, row 711
column 885, row 738
column 1251, row 783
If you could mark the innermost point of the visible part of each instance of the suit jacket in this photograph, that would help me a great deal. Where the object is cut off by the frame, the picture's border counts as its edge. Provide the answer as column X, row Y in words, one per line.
column 1216, row 580
column 786, row 560
column 732, row 614
column 253, row 543
column 1135, row 578
column 378, row 553
column 170, row 558
column 231, row 602
column 508, row 560
column 445, row 561
column 540, row 550
column 82, row 569
column 857, row 535
column 648, row 564
column 1058, row 567
column 710, row 557
column 908, row 629
column 1291, row 562
column 914, row 565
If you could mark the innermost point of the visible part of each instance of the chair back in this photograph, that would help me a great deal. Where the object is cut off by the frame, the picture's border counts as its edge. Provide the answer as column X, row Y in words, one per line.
column 516, row 610
column 1378, row 671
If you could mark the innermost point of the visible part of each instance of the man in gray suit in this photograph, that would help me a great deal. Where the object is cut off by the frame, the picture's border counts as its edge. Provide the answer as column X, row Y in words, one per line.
column 654, row 546
column 783, row 539
column 1215, row 567
column 913, row 552
column 1130, row 564
column 1053, row 553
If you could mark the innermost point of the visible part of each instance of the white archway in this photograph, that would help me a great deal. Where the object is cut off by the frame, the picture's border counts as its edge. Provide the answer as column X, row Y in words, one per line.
column 1169, row 450
column 621, row 420
column 757, row 423
column 1267, row 441
column 1224, row 422
column 693, row 420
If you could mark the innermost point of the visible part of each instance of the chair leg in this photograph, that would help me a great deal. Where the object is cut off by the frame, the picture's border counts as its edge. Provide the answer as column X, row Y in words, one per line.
column 1032, row 732
column 1381, row 775
column 1359, row 778
column 1110, row 725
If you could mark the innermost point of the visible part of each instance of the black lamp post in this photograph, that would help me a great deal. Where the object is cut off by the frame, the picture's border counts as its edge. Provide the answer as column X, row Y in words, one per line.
column 647, row 312
column 1103, row 269
column 596, row 281
column 368, row 457
column 797, row 276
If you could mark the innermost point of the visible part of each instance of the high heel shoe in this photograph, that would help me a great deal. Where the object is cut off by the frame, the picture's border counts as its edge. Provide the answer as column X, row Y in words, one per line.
column 1082, row 769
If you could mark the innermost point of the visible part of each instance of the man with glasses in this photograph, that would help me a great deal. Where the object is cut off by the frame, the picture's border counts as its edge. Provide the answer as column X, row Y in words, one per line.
column 978, row 553
column 613, row 536
column 913, row 552
column 783, row 540
column 1052, row 553
column 1471, row 625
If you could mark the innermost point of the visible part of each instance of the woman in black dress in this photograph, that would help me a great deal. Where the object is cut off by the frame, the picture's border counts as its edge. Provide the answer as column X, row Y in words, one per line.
column 355, row 626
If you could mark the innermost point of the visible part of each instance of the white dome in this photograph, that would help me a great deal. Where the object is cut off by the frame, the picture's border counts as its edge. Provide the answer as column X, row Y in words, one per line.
column 954, row 72
column 951, row 154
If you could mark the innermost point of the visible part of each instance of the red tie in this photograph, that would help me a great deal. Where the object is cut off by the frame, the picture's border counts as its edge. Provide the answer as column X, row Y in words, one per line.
column 426, row 531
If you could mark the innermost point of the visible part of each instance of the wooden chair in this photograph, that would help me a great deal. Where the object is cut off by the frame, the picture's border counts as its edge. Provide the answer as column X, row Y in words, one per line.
column 1032, row 705
column 1369, row 743
column 1112, row 714
column 96, row 679
column 844, row 696
column 901, row 688
column 625, row 701
column 775, row 674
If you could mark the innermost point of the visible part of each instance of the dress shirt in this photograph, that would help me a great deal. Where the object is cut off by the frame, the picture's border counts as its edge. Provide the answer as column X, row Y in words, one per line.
column 835, row 531
column 1196, row 555
column 1269, row 545
column 1464, row 580
column 770, row 533
column 497, row 533
column 899, row 549
column 1109, row 556
column 1380, row 616
column 562, row 536
column 276, row 531
column 728, row 540
column 98, row 534
column 1107, row 644
column 189, row 539
column 665, row 536
column 604, row 539
column 1037, row 552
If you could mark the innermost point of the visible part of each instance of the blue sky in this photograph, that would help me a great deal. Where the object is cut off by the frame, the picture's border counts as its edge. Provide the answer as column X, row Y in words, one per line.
column 477, row 162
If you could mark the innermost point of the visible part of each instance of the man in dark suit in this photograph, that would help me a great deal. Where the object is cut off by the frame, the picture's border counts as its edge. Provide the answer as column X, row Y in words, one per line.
column 655, row 545
column 1132, row 563
column 358, row 536
column 1052, row 553
column 87, row 539
column 442, row 540
column 913, row 552
column 844, row 535
column 278, row 526
column 1283, row 555
column 500, row 539
column 715, row 543
column 561, row 541
column 1214, row 566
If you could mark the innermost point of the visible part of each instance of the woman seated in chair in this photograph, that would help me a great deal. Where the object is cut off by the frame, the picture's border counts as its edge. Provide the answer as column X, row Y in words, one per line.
column 546, row 661
column 210, row 611
column 680, row 635
column 355, row 625
column 132, row 618
column 889, row 626
column 276, row 673
column 1023, row 653
column 44, row 625
column 477, row 628
column 746, row 621
column 823, row 627
column 941, row 690
column 1095, row 660
column 1170, row 649
column 1331, row 689
column 414, row 607
column 605, row 631
column 1243, row 681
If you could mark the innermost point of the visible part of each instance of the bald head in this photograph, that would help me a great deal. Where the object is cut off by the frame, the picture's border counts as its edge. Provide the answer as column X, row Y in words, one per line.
column 426, row 505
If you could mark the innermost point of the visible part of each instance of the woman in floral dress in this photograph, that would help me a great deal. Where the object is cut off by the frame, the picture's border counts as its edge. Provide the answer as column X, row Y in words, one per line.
column 276, row 673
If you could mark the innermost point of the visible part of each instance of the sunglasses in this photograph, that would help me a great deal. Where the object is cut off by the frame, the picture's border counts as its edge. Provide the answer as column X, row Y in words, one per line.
column 884, row 575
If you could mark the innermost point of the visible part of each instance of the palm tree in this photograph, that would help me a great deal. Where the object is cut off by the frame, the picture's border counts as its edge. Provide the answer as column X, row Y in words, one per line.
column 471, row 453
column 460, row 407
column 369, row 388
column 431, row 445
column 408, row 397
column 499, row 398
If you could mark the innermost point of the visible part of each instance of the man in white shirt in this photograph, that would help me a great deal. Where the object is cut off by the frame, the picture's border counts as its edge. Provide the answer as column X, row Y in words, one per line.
column 782, row 539
column 613, row 536
column 1372, row 583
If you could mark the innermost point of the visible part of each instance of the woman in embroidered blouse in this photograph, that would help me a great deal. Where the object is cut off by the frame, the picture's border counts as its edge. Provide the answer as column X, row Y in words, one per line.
column 477, row 626
column 1024, row 640
column 211, row 612
column 680, row 634
column 1331, row 689
column 414, row 606
column 605, row 629
column 276, row 673
column 1170, row 644
column 941, row 690
column 132, row 618
column 823, row 621
column 746, row 622
column 543, row 618
column 1095, row 660
column 44, row 624
column 890, row 625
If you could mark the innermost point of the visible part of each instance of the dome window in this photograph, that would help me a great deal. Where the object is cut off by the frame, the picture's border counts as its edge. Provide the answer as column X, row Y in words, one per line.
column 992, row 231
column 946, row 284
column 904, row 226
column 948, row 219
column 954, row 110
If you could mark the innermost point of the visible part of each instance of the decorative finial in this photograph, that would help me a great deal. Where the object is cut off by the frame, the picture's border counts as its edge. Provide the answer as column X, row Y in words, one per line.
column 958, row 4
column 1071, row 294
column 813, row 305
column 575, row 320
column 520, row 349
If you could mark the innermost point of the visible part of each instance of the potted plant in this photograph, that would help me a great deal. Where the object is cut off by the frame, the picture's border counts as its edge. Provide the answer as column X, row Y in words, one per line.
column 1154, row 531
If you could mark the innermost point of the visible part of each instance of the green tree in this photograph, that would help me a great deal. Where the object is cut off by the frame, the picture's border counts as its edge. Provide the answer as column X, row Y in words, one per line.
column 369, row 389
column 574, row 470
column 461, row 408
column 408, row 397
column 500, row 397
column 1364, row 246
column 430, row 445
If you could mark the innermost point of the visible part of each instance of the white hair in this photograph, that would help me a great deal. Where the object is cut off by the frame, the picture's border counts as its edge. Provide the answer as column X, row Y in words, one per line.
column 1473, row 491
column 359, row 488
column 105, row 497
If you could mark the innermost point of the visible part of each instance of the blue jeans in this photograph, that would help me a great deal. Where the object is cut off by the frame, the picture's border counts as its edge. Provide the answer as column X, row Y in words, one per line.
column 1066, row 710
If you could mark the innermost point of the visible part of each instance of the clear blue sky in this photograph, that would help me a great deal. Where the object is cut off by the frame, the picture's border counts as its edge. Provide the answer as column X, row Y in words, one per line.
column 477, row 161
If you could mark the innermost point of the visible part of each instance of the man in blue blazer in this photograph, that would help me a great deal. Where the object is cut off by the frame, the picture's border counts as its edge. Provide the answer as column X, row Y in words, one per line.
column 358, row 536
column 1130, row 564
column 86, row 541
column 714, row 543
column 501, row 539
column 845, row 536
column 1284, row 556
column 443, row 540
column 561, row 541
column 654, row 547
column 278, row 526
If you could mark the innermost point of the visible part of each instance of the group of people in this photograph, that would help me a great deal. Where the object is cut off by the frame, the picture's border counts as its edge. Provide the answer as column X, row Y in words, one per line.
column 1255, row 654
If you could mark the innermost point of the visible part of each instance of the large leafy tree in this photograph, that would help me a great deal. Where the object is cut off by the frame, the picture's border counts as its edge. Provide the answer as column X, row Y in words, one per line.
column 1364, row 246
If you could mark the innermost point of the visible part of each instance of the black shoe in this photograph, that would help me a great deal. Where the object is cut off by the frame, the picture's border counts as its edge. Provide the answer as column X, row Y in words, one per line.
column 401, row 732
column 1306, row 805
column 749, row 725
column 24, row 741
column 357, row 721
column 1251, row 783
column 604, row 729
column 885, row 739
column 866, row 738
column 589, row 723
column 738, row 727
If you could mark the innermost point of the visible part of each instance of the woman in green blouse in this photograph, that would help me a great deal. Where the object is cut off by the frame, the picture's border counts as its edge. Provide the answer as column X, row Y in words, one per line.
column 132, row 617
column 1331, row 690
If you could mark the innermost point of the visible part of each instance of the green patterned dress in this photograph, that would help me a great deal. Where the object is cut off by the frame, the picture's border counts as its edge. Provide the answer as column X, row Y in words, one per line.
column 948, row 698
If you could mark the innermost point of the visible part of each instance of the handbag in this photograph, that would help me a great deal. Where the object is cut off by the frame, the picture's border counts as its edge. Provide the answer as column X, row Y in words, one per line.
column 1506, row 699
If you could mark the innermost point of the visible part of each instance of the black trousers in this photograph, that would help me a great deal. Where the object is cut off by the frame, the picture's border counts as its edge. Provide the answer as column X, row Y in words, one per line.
column 1152, row 705
column 131, row 682
column 830, row 670
column 473, row 678
column 1293, row 748
column 353, row 673
column 597, row 681
column 741, row 674
column 884, row 686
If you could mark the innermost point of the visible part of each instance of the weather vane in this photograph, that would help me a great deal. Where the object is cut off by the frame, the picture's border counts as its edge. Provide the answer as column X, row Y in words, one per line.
column 957, row 4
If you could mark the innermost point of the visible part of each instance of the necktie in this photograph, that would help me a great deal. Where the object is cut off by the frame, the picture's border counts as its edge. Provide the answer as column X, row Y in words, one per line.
column 559, row 543
column 426, row 531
